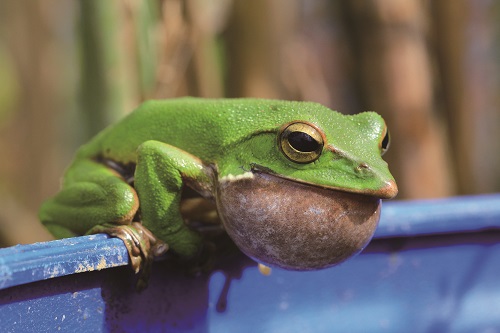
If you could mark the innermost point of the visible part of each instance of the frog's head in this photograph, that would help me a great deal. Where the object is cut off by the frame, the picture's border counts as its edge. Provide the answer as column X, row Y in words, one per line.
column 309, row 187
column 345, row 155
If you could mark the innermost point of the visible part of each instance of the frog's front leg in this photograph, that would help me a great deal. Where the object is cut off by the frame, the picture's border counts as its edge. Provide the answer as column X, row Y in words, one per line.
column 161, row 172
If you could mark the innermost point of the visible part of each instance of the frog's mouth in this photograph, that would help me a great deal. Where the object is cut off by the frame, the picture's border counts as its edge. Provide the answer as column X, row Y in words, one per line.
column 293, row 225
column 388, row 191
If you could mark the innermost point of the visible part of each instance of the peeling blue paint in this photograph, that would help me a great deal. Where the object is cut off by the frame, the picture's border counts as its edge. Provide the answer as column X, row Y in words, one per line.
column 434, row 266
column 28, row 263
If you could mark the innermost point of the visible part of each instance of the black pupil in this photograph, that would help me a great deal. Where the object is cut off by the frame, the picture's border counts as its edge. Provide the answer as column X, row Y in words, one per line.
column 302, row 142
column 385, row 141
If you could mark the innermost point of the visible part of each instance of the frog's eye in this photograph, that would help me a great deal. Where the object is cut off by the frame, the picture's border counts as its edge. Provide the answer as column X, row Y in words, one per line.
column 385, row 143
column 301, row 142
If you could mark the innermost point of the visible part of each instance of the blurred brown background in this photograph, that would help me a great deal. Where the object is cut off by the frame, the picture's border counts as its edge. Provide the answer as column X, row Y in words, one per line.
column 69, row 68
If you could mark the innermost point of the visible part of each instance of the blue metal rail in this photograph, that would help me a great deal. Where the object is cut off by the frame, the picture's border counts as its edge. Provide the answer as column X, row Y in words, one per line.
column 434, row 266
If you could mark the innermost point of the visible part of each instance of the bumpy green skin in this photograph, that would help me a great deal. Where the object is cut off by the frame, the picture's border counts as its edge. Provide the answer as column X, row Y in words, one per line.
column 198, row 142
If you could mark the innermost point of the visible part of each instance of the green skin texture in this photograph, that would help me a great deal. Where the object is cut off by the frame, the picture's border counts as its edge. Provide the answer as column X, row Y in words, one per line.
column 198, row 142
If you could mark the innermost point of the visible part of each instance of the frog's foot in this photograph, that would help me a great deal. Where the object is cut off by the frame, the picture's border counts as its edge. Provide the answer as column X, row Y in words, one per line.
column 142, row 246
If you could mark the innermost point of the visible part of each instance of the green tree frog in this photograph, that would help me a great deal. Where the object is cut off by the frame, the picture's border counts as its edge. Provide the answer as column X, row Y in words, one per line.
column 295, row 184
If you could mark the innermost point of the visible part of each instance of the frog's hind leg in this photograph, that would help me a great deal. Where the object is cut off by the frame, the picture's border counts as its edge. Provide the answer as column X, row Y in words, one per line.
column 96, row 198
column 92, row 194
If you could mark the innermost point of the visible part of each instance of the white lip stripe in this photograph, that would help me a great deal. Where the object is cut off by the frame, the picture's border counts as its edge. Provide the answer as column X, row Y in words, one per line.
column 230, row 177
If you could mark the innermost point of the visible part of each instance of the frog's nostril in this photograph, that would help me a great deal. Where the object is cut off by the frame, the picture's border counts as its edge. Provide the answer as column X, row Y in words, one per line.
column 362, row 167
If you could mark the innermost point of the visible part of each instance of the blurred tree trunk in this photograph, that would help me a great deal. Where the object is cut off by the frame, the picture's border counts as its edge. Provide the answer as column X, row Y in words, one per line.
column 191, row 53
column 206, row 20
column 254, row 50
column 101, row 73
column 389, row 43
column 449, row 40
column 31, row 143
column 118, row 58
column 469, row 71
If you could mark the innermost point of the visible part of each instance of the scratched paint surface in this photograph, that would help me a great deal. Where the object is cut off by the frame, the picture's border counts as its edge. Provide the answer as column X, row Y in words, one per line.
column 429, row 284
column 433, row 268
column 40, row 261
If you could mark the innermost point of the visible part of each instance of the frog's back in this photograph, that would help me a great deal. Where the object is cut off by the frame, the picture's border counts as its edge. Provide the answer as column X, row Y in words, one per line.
column 203, row 127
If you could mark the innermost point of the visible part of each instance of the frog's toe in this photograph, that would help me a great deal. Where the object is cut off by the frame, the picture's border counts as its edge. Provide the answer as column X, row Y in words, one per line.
column 142, row 246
